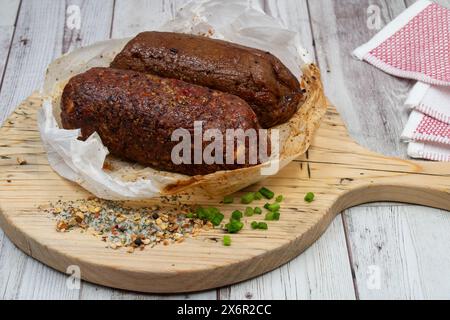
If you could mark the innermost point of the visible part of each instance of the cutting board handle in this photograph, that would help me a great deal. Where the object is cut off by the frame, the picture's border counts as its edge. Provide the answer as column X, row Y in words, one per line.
column 357, row 175
column 398, row 180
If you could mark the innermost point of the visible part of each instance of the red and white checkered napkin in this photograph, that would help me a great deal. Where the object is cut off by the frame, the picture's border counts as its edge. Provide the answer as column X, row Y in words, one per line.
column 429, row 138
column 416, row 45
column 433, row 101
column 428, row 128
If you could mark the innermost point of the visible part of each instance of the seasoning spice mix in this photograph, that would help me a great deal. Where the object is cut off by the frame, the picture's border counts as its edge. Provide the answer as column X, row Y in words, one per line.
column 121, row 225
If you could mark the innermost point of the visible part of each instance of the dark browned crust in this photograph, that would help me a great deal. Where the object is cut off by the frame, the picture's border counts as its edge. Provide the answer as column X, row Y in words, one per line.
column 256, row 76
column 135, row 115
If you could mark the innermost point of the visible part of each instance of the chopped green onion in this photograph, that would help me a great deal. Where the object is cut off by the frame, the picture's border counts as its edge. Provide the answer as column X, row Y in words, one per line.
column 226, row 241
column 236, row 215
column 272, row 207
column 217, row 219
column 273, row 216
column 269, row 216
column 309, row 197
column 228, row 200
column 279, row 199
column 211, row 214
column 263, row 226
column 234, row 226
column 259, row 225
column 267, row 193
column 190, row 215
column 248, row 198
column 249, row 212
column 257, row 210
column 258, row 195
column 202, row 213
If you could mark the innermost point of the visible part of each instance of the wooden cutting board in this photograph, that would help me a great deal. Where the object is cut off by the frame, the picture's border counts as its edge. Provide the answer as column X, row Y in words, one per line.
column 340, row 173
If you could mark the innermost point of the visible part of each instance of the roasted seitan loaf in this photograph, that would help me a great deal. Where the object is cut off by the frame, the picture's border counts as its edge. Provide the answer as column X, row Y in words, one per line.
column 135, row 115
column 256, row 76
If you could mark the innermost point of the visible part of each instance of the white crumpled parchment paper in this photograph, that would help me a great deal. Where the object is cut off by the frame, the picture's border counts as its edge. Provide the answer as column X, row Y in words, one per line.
column 83, row 161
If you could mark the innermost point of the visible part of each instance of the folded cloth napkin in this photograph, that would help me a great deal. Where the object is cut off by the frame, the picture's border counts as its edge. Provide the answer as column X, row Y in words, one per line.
column 423, row 128
column 428, row 128
column 416, row 45
column 433, row 101
column 429, row 151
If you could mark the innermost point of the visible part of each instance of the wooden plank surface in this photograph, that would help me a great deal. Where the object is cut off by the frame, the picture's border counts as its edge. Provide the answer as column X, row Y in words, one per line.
column 408, row 256
column 368, row 101
column 12, row 260
column 36, row 42
column 95, row 23
column 41, row 35
column 8, row 14
column 322, row 272
column 371, row 104
column 132, row 17
column 95, row 26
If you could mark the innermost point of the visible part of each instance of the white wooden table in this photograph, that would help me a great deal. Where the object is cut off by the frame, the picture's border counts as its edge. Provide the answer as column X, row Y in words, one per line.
column 384, row 250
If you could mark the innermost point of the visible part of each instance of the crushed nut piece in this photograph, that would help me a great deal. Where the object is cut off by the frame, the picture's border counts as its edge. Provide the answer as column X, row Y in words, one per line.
column 61, row 226
column 79, row 217
column 21, row 161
